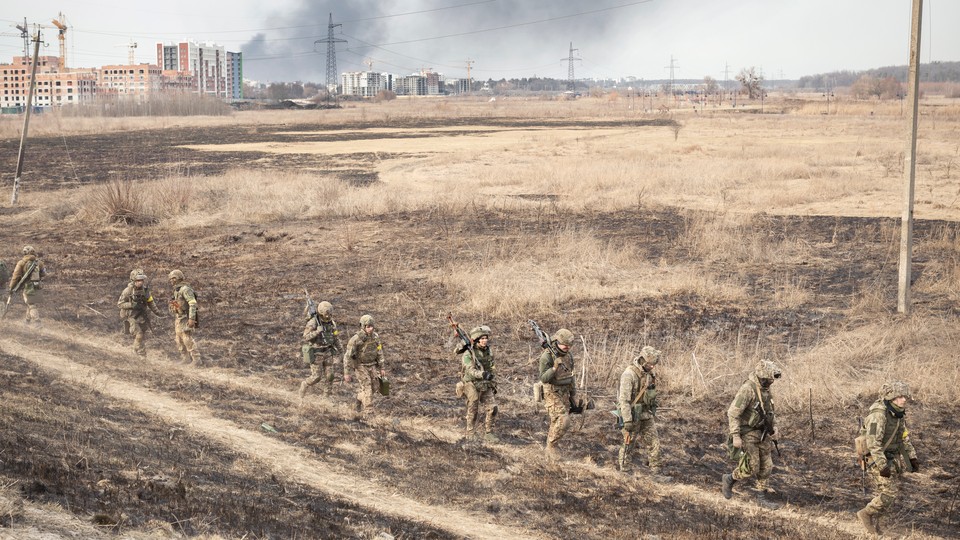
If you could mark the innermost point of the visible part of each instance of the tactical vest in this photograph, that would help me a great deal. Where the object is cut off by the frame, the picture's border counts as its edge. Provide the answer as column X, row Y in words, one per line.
column 645, row 404
column 367, row 348
column 563, row 374
column 326, row 339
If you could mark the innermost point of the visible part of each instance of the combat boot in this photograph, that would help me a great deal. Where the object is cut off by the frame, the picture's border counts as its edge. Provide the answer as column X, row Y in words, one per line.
column 726, row 485
column 869, row 520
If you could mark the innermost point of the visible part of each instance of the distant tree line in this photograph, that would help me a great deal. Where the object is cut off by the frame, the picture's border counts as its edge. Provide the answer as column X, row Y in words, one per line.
column 932, row 72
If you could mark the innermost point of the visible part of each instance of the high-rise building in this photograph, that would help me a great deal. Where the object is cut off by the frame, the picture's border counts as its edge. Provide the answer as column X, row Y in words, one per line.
column 53, row 88
column 207, row 63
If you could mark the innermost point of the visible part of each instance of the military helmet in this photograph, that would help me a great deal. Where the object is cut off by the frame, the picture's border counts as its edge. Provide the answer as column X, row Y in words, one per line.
column 136, row 275
column 479, row 332
column 891, row 391
column 28, row 250
column 366, row 320
column 766, row 369
column 563, row 337
column 325, row 309
column 648, row 355
column 176, row 274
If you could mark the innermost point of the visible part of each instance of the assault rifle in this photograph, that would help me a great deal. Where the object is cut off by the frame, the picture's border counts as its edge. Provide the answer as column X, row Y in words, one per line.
column 767, row 430
column 311, row 305
column 466, row 344
column 541, row 335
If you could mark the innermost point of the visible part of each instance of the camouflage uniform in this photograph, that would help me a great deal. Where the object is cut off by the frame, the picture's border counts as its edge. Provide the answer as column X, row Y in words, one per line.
column 478, row 383
column 889, row 445
column 752, row 419
column 321, row 347
column 31, row 286
column 364, row 359
column 133, row 303
column 639, row 411
column 183, row 306
column 559, row 390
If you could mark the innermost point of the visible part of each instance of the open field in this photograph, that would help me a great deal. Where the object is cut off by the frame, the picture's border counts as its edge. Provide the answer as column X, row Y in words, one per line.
column 719, row 236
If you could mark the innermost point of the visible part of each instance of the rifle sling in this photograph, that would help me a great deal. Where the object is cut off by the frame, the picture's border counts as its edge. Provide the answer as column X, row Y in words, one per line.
column 643, row 388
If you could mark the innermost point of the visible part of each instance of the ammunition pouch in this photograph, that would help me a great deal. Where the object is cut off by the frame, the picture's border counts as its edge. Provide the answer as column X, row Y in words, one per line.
column 538, row 392
column 384, row 386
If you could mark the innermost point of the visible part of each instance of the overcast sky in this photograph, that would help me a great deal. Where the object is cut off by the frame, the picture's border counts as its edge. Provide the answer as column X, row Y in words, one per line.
column 504, row 38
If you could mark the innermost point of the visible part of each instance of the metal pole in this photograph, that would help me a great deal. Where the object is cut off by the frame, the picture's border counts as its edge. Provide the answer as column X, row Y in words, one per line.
column 26, row 120
column 910, row 169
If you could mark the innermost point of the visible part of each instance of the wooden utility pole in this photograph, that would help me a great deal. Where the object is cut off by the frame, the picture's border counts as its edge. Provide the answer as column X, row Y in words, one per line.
column 910, row 167
column 26, row 120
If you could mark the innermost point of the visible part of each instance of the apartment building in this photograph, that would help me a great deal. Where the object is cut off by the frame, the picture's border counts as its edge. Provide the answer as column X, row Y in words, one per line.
column 138, row 82
column 53, row 88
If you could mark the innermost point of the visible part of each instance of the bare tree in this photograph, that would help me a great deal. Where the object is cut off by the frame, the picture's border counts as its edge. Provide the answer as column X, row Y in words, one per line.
column 710, row 85
column 752, row 82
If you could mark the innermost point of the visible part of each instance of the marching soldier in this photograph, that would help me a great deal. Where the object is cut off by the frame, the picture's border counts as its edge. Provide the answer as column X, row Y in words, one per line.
column 133, row 303
column 559, row 390
column 752, row 424
column 888, row 444
column 478, row 383
column 364, row 357
column 183, row 306
column 26, row 279
column 637, row 402
column 321, row 347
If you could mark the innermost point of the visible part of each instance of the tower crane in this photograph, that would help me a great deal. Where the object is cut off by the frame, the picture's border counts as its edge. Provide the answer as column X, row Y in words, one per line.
column 61, row 23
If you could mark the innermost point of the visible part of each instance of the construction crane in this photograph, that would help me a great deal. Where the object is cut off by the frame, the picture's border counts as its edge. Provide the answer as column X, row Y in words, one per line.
column 61, row 23
column 25, row 36
column 131, row 54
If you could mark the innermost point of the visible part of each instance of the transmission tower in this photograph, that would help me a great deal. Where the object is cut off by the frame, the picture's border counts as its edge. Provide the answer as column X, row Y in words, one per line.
column 672, row 67
column 469, row 80
column 570, row 59
column 331, row 55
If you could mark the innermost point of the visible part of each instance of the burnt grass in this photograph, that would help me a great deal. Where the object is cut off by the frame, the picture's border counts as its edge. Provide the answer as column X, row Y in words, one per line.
column 122, row 468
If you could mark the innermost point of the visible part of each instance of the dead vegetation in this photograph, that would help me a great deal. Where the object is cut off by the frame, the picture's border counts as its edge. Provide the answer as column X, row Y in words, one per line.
column 740, row 243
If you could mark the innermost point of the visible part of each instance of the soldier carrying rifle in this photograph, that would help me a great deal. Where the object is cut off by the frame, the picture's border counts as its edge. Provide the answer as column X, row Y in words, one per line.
column 559, row 391
column 753, row 432
column 26, row 279
column 478, row 374
column 637, row 405
column 320, row 345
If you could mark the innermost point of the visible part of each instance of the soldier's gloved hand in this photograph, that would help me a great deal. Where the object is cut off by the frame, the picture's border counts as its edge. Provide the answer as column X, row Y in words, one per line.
column 192, row 323
column 914, row 464
column 628, row 425
column 487, row 376
column 885, row 472
column 737, row 441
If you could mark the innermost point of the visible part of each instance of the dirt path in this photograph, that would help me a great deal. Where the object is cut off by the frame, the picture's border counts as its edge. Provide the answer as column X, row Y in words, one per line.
column 286, row 460
column 300, row 465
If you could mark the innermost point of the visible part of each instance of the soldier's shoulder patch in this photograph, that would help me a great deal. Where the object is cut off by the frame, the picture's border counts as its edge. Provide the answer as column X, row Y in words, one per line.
column 873, row 428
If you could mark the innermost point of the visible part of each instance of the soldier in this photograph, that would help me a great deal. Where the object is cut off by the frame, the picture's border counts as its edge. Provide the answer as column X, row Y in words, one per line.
column 889, row 445
column 559, row 390
column 183, row 306
column 321, row 347
column 364, row 356
column 478, row 383
column 133, row 304
column 752, row 425
column 26, row 279
column 637, row 402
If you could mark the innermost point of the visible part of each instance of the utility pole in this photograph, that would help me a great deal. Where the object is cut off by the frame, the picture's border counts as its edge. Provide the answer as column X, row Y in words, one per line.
column 571, row 84
column 469, row 80
column 26, row 119
column 331, row 56
column 910, row 168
